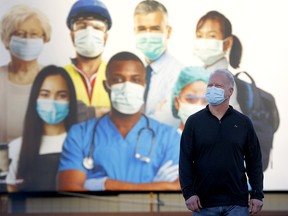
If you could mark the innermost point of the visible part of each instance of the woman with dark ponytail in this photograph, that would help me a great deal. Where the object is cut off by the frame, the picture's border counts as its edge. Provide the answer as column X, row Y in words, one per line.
column 214, row 41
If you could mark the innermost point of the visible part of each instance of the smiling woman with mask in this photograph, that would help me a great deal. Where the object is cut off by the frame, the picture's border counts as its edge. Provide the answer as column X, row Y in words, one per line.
column 24, row 31
column 51, row 112
column 214, row 41
column 217, row 47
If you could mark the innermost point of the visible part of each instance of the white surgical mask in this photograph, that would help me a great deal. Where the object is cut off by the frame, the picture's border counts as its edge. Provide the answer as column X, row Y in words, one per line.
column 215, row 96
column 89, row 42
column 209, row 50
column 127, row 97
column 186, row 109
column 26, row 49
column 152, row 45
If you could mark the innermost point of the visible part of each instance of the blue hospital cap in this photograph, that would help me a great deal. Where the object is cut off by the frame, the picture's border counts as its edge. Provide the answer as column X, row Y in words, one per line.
column 188, row 75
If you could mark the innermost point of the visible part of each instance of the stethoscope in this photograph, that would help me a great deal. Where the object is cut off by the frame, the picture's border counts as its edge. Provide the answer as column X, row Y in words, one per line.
column 88, row 161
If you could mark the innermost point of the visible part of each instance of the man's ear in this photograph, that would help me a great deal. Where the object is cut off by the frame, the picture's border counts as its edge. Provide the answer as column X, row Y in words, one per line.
column 169, row 31
column 228, row 43
column 72, row 36
column 105, row 85
column 105, row 37
column 176, row 103
column 231, row 91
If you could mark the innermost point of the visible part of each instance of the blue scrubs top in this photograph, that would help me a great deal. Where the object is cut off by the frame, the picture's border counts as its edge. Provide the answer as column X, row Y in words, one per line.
column 114, row 156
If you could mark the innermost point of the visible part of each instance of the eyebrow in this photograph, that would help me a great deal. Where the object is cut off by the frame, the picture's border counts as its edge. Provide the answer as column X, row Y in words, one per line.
column 44, row 90
column 60, row 91
column 192, row 96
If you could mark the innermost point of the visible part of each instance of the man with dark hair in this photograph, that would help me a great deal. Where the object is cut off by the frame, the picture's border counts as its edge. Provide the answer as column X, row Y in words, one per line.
column 123, row 150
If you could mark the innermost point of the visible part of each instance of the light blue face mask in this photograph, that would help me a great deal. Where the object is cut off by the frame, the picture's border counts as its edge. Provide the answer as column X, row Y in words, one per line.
column 152, row 45
column 51, row 111
column 26, row 49
column 215, row 96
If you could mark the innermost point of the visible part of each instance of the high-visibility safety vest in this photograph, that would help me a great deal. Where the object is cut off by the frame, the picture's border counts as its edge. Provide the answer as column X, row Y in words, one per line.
column 100, row 97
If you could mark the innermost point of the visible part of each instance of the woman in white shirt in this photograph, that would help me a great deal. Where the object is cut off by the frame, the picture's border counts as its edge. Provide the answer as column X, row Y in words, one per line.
column 52, row 110
column 24, row 32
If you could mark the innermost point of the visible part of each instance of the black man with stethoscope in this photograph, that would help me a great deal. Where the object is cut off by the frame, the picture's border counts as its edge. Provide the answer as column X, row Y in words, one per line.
column 124, row 149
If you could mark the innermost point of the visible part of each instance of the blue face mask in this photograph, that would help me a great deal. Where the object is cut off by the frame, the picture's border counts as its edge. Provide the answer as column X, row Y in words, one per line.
column 215, row 96
column 152, row 45
column 26, row 49
column 51, row 111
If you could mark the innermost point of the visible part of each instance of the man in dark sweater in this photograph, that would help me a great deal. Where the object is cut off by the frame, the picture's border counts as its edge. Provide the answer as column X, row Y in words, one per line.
column 214, row 145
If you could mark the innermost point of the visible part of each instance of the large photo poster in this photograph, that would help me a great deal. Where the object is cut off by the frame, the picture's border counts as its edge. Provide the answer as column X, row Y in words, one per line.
column 60, row 74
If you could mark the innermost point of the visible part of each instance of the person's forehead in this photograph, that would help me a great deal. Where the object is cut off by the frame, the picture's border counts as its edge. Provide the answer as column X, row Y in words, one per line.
column 153, row 18
column 196, row 85
column 89, row 18
column 54, row 81
column 31, row 23
column 212, row 23
column 218, row 78
column 126, row 67
column 209, row 25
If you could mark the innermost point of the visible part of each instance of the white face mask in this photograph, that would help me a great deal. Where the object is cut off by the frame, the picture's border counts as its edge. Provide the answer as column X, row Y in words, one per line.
column 26, row 49
column 127, row 97
column 186, row 109
column 209, row 50
column 89, row 42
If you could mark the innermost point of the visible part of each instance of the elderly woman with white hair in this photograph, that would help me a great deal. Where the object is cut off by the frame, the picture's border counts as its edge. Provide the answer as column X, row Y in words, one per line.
column 24, row 31
column 188, row 95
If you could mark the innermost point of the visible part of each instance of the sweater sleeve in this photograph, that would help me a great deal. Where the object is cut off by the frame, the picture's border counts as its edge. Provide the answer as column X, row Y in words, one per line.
column 186, row 161
column 253, row 160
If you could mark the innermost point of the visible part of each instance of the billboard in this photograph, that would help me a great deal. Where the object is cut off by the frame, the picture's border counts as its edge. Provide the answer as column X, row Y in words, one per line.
column 263, row 58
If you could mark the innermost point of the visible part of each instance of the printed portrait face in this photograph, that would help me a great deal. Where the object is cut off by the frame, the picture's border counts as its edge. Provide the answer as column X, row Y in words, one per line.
column 194, row 93
column 54, row 88
column 30, row 28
